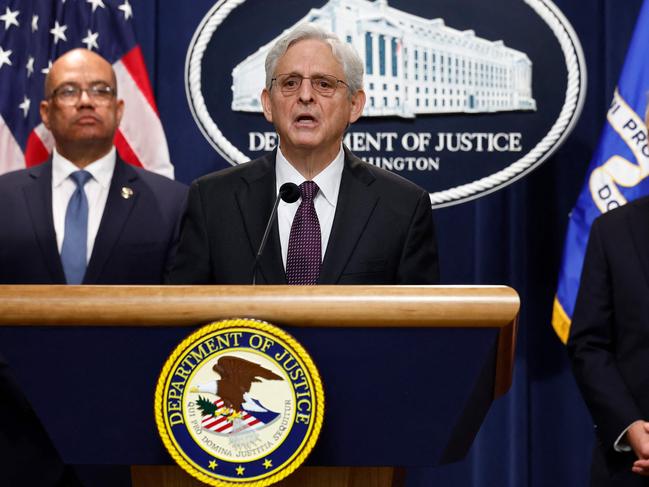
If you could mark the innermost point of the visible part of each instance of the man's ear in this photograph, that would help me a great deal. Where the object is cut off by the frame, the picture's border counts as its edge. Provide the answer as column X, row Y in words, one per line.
column 120, row 111
column 358, row 103
column 265, row 103
column 44, row 109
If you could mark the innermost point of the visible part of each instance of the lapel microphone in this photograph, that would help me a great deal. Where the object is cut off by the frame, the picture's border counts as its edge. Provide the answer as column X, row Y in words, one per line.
column 290, row 193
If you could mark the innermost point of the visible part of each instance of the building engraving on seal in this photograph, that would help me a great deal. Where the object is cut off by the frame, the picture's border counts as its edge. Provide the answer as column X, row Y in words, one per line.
column 413, row 65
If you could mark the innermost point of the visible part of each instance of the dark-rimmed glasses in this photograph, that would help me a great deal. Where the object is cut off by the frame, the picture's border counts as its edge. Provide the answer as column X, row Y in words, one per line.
column 69, row 94
column 324, row 84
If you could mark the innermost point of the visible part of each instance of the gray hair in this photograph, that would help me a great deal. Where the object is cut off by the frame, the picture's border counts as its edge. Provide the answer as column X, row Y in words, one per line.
column 343, row 52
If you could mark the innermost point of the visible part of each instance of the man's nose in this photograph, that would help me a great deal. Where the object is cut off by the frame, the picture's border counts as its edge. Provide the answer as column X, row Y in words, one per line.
column 306, row 91
column 85, row 99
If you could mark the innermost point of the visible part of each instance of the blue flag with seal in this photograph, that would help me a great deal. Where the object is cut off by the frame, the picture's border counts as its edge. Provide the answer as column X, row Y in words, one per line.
column 617, row 174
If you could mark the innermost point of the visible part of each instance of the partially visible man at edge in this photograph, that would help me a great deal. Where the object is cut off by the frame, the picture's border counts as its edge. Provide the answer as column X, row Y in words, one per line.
column 609, row 343
column 366, row 225
column 84, row 216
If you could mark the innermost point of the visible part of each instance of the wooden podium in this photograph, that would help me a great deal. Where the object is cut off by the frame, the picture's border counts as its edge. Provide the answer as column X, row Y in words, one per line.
column 409, row 371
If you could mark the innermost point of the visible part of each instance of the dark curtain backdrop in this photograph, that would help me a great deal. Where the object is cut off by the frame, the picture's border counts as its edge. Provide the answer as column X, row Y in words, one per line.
column 540, row 433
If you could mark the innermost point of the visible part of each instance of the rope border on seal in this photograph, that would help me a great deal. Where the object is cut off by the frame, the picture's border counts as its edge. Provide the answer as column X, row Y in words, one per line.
column 568, row 116
column 253, row 325
column 193, row 86
column 570, row 111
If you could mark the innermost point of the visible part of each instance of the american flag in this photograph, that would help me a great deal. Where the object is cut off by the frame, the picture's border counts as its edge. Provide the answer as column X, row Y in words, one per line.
column 33, row 33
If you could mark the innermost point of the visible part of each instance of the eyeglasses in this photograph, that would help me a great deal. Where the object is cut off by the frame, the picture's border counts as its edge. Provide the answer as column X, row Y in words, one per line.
column 69, row 95
column 323, row 83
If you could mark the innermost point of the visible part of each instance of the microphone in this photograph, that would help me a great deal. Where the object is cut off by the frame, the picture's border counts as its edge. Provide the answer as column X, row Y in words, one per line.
column 290, row 193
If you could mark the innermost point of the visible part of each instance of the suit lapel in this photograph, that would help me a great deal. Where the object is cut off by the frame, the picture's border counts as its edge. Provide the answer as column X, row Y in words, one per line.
column 115, row 214
column 353, row 210
column 38, row 196
column 639, row 225
column 255, row 201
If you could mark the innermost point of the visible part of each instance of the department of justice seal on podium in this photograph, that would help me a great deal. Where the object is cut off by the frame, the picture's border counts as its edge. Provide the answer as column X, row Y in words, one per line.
column 239, row 402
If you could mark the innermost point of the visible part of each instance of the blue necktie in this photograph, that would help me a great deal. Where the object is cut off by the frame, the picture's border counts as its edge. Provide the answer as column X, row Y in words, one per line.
column 75, row 240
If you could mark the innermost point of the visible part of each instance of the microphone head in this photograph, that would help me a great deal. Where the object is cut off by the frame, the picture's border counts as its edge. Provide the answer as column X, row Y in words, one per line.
column 289, row 192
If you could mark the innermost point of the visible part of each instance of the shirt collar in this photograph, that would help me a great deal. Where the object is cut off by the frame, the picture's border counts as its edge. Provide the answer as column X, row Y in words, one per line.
column 328, row 180
column 101, row 169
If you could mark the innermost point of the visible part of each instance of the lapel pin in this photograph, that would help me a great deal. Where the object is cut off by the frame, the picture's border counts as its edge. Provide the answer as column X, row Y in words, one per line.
column 126, row 192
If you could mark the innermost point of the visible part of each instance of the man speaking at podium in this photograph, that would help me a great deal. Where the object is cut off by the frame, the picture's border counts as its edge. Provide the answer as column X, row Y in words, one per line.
column 346, row 222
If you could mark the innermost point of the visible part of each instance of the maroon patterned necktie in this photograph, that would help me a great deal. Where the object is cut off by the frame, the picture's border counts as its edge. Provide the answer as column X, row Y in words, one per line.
column 304, row 244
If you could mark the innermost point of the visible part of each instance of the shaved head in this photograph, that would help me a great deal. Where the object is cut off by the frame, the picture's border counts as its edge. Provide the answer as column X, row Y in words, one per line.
column 81, row 108
column 74, row 57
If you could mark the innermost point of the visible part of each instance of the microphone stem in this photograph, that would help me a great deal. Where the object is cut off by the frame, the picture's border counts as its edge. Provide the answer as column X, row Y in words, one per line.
column 265, row 237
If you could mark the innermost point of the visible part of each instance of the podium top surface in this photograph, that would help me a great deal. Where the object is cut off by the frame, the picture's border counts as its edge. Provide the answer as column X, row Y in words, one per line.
column 305, row 306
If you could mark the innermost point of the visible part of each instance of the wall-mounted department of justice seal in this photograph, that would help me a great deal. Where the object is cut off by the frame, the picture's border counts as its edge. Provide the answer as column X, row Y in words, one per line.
column 464, row 97
column 239, row 402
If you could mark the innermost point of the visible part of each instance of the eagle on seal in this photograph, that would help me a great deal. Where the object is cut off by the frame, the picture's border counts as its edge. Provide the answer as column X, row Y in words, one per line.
column 237, row 375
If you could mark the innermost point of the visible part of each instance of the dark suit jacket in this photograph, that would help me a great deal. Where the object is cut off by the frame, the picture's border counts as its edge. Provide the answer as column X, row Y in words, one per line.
column 609, row 336
column 382, row 231
column 135, row 243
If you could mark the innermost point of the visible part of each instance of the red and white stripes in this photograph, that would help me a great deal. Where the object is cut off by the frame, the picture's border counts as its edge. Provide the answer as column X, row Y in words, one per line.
column 140, row 138
column 221, row 424
column 11, row 157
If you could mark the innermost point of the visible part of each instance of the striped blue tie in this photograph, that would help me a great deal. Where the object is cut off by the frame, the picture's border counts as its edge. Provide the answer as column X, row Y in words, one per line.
column 75, row 240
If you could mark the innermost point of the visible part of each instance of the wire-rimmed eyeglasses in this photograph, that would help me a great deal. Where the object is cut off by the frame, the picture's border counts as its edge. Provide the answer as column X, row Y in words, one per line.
column 324, row 84
column 70, row 94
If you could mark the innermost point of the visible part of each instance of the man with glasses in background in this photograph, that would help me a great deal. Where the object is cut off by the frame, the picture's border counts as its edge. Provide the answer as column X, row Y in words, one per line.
column 83, row 217
column 352, row 223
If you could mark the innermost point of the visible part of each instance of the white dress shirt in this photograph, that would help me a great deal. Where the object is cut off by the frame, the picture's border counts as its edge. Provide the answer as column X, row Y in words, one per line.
column 325, row 201
column 622, row 442
column 96, row 192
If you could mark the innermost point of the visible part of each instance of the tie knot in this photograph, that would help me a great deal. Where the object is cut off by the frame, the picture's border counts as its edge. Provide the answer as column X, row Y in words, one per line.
column 308, row 190
column 80, row 178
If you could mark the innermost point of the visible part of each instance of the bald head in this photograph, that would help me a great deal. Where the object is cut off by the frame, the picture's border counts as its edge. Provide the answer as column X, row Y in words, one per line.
column 71, row 60
column 81, row 108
